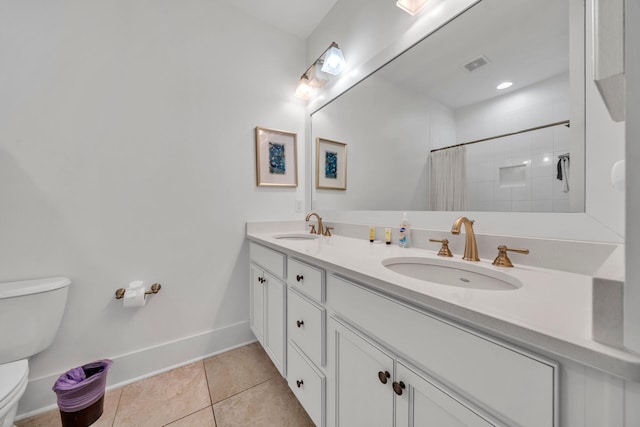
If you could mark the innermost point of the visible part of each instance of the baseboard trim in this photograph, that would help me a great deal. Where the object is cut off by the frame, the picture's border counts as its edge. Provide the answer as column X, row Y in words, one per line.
column 144, row 363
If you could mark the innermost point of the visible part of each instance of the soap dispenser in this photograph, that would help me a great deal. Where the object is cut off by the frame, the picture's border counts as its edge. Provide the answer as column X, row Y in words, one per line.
column 405, row 232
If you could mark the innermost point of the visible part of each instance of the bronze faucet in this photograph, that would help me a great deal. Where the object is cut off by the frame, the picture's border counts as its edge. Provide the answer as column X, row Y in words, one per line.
column 470, row 247
column 320, row 230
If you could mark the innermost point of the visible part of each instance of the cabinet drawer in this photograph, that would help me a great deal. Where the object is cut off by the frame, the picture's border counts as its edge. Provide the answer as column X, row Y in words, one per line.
column 306, row 326
column 268, row 259
column 306, row 279
column 520, row 387
column 308, row 385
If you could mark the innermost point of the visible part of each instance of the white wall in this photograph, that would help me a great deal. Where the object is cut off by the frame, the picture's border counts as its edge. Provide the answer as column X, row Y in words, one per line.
column 127, row 152
column 388, row 132
column 517, row 109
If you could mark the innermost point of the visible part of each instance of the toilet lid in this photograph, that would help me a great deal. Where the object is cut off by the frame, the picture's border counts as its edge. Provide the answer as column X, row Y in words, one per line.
column 11, row 376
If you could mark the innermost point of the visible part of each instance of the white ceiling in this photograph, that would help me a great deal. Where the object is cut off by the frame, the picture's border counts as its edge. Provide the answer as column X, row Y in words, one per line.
column 524, row 41
column 298, row 17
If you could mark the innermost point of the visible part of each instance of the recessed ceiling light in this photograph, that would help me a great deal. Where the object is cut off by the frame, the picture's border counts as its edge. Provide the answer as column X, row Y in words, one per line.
column 504, row 85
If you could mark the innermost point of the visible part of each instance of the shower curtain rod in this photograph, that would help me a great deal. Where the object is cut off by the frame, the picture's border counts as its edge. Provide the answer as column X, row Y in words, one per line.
column 564, row 122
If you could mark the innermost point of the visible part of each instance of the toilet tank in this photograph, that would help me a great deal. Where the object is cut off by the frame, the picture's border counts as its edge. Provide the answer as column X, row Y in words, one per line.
column 30, row 314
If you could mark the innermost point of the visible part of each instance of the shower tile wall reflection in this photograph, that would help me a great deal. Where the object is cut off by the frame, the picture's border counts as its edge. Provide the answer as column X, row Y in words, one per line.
column 540, row 104
column 538, row 152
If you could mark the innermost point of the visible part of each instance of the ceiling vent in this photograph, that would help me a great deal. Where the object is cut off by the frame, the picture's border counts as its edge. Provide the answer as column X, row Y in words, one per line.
column 476, row 63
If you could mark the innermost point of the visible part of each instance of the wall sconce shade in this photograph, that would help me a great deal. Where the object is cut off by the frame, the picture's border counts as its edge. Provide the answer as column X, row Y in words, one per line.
column 330, row 61
column 333, row 62
column 412, row 7
column 317, row 77
column 304, row 90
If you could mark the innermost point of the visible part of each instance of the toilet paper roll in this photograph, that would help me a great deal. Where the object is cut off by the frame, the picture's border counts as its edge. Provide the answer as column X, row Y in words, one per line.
column 136, row 284
column 134, row 297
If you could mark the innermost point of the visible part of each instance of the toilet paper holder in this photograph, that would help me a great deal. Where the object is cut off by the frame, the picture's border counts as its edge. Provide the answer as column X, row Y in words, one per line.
column 155, row 288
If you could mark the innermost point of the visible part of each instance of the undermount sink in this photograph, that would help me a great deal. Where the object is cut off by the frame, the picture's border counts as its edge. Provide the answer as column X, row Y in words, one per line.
column 452, row 273
column 296, row 236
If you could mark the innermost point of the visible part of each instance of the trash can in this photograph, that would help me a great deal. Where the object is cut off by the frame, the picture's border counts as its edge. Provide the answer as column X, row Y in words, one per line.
column 80, row 393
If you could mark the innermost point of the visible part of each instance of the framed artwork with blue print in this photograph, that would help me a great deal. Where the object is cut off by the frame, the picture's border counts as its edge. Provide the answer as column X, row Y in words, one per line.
column 276, row 158
column 331, row 164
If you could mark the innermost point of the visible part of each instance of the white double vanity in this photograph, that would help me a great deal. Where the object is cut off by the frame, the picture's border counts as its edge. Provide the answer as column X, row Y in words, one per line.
column 363, row 345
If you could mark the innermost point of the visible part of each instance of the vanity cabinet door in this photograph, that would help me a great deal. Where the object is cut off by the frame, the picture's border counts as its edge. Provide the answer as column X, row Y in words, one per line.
column 275, row 322
column 267, row 316
column 256, row 296
column 422, row 402
column 363, row 378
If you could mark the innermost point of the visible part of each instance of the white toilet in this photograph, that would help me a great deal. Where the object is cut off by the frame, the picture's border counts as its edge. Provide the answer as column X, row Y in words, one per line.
column 30, row 314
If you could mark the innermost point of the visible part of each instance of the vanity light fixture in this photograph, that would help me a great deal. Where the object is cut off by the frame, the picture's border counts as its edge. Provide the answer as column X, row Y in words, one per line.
column 504, row 85
column 331, row 61
column 317, row 77
column 412, row 7
column 304, row 90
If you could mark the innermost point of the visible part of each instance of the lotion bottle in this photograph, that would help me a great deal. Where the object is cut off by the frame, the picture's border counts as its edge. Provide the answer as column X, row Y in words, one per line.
column 404, row 239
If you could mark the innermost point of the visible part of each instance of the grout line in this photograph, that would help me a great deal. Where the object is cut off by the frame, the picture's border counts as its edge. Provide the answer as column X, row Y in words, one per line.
column 242, row 391
column 113, row 422
column 187, row 415
column 215, row 421
column 206, row 378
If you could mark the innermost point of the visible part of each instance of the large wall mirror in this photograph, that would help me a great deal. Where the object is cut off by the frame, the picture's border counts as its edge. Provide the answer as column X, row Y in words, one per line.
column 515, row 145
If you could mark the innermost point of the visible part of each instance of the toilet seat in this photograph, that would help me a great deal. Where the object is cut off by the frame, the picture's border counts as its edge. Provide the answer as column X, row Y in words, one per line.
column 13, row 382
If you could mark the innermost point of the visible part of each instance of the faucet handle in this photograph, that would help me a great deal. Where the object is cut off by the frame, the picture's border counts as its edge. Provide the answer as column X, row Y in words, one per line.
column 444, row 249
column 502, row 260
column 313, row 229
column 327, row 231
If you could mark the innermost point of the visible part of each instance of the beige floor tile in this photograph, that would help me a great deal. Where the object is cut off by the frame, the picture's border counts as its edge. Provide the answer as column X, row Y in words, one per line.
column 266, row 405
column 52, row 418
column 237, row 370
column 111, row 401
column 46, row 419
column 203, row 418
column 164, row 398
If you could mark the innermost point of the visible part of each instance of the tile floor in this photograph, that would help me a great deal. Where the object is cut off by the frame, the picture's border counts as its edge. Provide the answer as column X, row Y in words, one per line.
column 238, row 388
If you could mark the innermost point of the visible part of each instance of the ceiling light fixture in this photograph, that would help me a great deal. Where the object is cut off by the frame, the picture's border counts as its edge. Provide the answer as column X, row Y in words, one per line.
column 331, row 61
column 504, row 85
column 412, row 7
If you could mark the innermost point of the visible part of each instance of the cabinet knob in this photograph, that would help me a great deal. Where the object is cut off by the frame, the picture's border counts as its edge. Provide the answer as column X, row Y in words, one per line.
column 299, row 277
column 261, row 279
column 398, row 387
column 299, row 323
column 383, row 376
column 299, row 383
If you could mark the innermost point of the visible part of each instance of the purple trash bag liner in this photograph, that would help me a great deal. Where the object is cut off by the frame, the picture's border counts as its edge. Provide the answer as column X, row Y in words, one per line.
column 80, row 387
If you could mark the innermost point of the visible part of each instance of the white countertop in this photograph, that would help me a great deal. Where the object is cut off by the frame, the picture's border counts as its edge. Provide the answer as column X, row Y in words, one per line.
column 550, row 313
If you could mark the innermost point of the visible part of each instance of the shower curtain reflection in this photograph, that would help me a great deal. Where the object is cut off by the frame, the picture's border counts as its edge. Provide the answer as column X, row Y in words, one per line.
column 449, row 180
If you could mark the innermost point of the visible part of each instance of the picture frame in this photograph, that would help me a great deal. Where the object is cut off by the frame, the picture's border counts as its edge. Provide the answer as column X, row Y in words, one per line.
column 331, row 164
column 276, row 158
